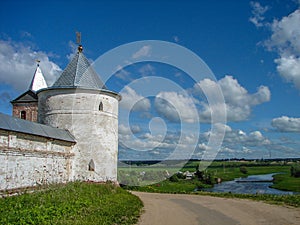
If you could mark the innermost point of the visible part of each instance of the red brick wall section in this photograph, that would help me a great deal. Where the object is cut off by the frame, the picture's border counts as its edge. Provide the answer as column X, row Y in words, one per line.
column 29, row 108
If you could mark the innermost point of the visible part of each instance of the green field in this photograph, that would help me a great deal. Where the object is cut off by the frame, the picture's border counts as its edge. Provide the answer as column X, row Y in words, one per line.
column 286, row 183
column 154, row 178
column 73, row 203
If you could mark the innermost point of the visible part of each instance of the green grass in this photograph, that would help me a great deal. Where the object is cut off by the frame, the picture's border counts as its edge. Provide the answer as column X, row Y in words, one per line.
column 291, row 200
column 286, row 182
column 166, row 186
column 73, row 203
column 231, row 173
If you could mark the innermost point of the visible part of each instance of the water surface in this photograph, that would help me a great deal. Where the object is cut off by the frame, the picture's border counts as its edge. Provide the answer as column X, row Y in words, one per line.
column 255, row 184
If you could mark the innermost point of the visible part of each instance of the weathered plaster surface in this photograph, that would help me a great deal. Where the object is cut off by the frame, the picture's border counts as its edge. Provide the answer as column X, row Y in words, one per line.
column 29, row 160
column 95, row 131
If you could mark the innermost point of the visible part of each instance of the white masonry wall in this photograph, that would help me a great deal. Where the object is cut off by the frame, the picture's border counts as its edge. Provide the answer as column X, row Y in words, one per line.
column 95, row 129
column 29, row 160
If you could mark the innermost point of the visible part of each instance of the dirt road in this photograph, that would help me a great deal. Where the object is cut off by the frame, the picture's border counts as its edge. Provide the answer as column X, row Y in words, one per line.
column 165, row 209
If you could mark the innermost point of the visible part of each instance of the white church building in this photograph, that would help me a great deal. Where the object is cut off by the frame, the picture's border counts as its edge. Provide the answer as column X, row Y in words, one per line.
column 62, row 133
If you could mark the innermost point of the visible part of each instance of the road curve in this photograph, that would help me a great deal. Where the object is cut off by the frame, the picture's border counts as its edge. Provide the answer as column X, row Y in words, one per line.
column 170, row 209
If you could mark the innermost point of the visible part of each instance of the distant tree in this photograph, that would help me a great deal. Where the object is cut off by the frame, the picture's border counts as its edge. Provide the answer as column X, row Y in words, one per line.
column 243, row 170
column 181, row 176
column 295, row 171
column 174, row 178
column 199, row 174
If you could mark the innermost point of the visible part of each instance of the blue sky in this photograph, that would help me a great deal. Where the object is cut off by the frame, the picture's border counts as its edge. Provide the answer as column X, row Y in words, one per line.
column 252, row 48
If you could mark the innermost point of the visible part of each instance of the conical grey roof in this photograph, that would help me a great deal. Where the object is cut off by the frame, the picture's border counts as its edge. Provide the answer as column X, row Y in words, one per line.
column 79, row 73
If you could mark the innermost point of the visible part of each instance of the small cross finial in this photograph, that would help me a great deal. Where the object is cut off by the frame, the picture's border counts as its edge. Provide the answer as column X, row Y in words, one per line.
column 78, row 37
column 78, row 41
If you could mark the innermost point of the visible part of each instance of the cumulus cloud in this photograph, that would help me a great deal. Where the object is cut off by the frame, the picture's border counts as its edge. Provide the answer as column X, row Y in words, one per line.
column 240, row 138
column 289, row 69
column 176, row 107
column 285, row 41
column 147, row 70
column 142, row 52
column 18, row 63
column 258, row 11
column 239, row 102
column 164, row 144
column 286, row 124
column 133, row 101
column 125, row 130
column 236, row 143
column 123, row 74
column 286, row 33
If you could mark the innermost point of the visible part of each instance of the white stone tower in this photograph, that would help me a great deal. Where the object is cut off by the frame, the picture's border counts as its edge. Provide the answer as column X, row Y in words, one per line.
column 79, row 102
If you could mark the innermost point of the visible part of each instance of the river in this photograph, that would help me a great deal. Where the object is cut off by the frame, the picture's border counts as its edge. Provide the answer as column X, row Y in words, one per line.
column 250, row 185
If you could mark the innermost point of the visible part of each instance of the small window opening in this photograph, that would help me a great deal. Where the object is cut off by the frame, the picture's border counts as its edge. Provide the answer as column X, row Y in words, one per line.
column 23, row 115
column 101, row 106
column 91, row 165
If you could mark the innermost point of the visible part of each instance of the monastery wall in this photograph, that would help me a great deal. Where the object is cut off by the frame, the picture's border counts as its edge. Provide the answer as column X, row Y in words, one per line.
column 29, row 160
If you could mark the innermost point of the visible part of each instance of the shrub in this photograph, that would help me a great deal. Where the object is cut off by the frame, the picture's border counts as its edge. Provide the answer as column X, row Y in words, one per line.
column 243, row 170
column 295, row 171
column 174, row 178
column 181, row 176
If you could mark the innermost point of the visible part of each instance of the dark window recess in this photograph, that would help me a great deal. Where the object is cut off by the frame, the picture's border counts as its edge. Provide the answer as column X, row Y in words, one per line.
column 101, row 106
column 91, row 165
column 23, row 115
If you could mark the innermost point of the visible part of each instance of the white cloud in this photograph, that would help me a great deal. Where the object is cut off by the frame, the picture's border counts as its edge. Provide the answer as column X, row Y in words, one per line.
column 18, row 63
column 238, row 101
column 123, row 74
column 285, row 41
column 257, row 14
column 286, row 34
column 236, row 139
column 133, row 101
column 176, row 107
column 286, row 124
column 147, row 70
column 74, row 49
column 163, row 143
column 142, row 52
column 289, row 69
column 125, row 130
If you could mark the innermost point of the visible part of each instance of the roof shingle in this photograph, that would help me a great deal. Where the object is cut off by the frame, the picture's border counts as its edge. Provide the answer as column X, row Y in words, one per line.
column 79, row 73
column 24, row 126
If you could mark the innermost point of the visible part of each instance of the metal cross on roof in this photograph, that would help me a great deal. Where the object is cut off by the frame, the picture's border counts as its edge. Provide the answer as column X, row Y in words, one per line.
column 78, row 38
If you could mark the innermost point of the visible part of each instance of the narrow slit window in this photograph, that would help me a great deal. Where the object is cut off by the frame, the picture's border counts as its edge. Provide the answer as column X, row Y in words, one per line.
column 23, row 115
column 101, row 106
column 91, row 165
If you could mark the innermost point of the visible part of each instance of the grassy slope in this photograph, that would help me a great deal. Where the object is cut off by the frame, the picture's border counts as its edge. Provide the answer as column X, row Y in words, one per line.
column 286, row 182
column 74, row 203
column 282, row 181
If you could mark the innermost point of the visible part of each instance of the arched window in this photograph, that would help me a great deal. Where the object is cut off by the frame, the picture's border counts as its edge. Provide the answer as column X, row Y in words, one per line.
column 91, row 165
column 23, row 115
column 101, row 106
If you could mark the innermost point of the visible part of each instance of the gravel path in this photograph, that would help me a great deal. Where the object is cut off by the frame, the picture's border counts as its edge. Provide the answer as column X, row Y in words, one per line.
column 165, row 209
